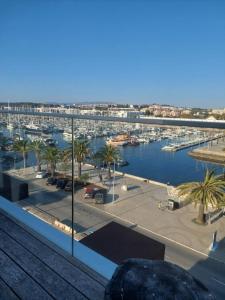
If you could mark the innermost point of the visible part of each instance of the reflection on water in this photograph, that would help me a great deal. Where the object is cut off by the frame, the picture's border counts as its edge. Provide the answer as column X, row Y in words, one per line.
column 169, row 167
column 145, row 160
column 148, row 161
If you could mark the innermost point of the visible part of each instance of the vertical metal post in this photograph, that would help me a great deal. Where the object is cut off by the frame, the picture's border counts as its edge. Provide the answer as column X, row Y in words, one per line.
column 113, row 181
column 72, row 187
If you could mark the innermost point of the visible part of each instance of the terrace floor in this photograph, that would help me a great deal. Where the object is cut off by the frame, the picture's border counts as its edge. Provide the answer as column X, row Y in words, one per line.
column 33, row 268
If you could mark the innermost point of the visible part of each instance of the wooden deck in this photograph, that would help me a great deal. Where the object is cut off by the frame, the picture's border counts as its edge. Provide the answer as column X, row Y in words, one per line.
column 31, row 268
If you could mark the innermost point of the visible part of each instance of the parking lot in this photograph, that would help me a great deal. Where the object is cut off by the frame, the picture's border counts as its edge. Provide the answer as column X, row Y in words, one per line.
column 137, row 205
column 50, row 203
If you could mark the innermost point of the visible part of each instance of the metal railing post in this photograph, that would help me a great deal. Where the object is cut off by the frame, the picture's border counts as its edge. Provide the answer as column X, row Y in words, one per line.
column 72, row 187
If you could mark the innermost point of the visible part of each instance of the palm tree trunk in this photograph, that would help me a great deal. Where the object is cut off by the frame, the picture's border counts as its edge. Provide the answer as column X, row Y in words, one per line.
column 38, row 163
column 79, row 169
column 64, row 169
column 52, row 170
column 109, row 171
column 200, row 219
column 24, row 161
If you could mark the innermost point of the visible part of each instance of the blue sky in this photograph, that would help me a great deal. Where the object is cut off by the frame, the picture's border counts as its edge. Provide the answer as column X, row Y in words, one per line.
column 135, row 51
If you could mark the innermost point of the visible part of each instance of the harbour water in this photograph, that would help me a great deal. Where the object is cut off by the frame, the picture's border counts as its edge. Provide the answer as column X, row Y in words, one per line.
column 148, row 161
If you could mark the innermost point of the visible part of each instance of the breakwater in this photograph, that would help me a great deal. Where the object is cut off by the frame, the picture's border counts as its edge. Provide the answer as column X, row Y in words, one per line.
column 213, row 153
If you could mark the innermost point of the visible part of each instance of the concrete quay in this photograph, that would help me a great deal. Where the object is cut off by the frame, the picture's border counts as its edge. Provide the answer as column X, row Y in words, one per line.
column 214, row 152
column 138, row 207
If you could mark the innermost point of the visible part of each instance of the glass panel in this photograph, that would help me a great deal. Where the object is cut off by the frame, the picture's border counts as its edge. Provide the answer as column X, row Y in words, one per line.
column 34, row 170
column 144, row 165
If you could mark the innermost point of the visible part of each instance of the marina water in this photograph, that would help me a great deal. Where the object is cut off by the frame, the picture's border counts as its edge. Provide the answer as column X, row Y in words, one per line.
column 148, row 161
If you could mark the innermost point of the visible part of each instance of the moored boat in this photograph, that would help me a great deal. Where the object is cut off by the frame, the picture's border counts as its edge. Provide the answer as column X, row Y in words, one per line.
column 119, row 140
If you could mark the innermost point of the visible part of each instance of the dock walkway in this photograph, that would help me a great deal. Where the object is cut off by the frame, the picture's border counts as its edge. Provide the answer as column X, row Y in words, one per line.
column 185, row 145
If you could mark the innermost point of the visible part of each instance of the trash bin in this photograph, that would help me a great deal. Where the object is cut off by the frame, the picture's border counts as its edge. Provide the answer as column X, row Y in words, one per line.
column 171, row 204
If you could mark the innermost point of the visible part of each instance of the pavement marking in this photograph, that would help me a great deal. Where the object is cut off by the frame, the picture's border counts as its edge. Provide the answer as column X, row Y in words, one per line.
column 223, row 283
column 154, row 233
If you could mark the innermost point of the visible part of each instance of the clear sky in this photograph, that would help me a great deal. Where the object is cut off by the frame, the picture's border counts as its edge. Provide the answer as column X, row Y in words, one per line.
column 134, row 51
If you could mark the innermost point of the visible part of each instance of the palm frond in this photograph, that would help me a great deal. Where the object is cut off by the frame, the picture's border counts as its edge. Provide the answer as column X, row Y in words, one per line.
column 211, row 191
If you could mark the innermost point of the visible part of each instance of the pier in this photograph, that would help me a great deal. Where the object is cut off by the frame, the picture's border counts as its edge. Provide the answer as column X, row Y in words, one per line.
column 214, row 153
column 181, row 146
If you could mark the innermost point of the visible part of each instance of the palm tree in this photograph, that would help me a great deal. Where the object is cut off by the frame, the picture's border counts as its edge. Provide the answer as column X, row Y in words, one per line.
column 4, row 142
column 65, row 158
column 211, row 191
column 38, row 147
column 108, row 155
column 22, row 147
column 51, row 156
column 81, row 150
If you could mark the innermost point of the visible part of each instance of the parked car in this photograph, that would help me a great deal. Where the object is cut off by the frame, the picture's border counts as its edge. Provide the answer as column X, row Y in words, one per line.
column 61, row 183
column 41, row 174
column 100, row 197
column 77, row 185
column 51, row 181
column 91, row 190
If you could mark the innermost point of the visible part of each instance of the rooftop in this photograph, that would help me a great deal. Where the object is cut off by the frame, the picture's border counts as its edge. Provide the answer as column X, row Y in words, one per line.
column 31, row 265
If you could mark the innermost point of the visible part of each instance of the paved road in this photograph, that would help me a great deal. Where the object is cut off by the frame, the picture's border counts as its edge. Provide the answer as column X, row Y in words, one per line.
column 209, row 271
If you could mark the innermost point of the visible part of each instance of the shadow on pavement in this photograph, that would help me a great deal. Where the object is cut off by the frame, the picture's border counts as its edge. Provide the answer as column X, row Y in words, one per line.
column 78, row 228
column 211, row 271
column 109, row 198
column 133, row 187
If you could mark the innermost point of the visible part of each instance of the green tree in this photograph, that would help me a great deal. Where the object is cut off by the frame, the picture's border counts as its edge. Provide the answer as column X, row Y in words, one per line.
column 65, row 159
column 84, row 178
column 4, row 142
column 37, row 147
column 147, row 112
column 51, row 155
column 81, row 151
column 108, row 155
column 23, row 147
column 211, row 191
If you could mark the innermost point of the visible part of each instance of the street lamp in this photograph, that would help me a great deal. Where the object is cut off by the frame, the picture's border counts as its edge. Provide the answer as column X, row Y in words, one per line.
column 114, row 180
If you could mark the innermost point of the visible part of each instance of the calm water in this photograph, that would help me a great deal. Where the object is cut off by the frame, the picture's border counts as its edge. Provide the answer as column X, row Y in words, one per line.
column 148, row 161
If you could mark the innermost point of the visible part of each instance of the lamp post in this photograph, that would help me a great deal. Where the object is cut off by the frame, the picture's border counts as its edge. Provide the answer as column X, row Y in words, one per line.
column 113, row 181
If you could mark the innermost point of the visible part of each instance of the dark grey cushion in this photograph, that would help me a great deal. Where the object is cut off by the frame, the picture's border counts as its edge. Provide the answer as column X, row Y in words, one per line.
column 141, row 279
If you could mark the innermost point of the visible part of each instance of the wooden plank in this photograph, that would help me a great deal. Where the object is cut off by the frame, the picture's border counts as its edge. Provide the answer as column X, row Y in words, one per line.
column 22, row 284
column 35, row 268
column 76, row 277
column 6, row 293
